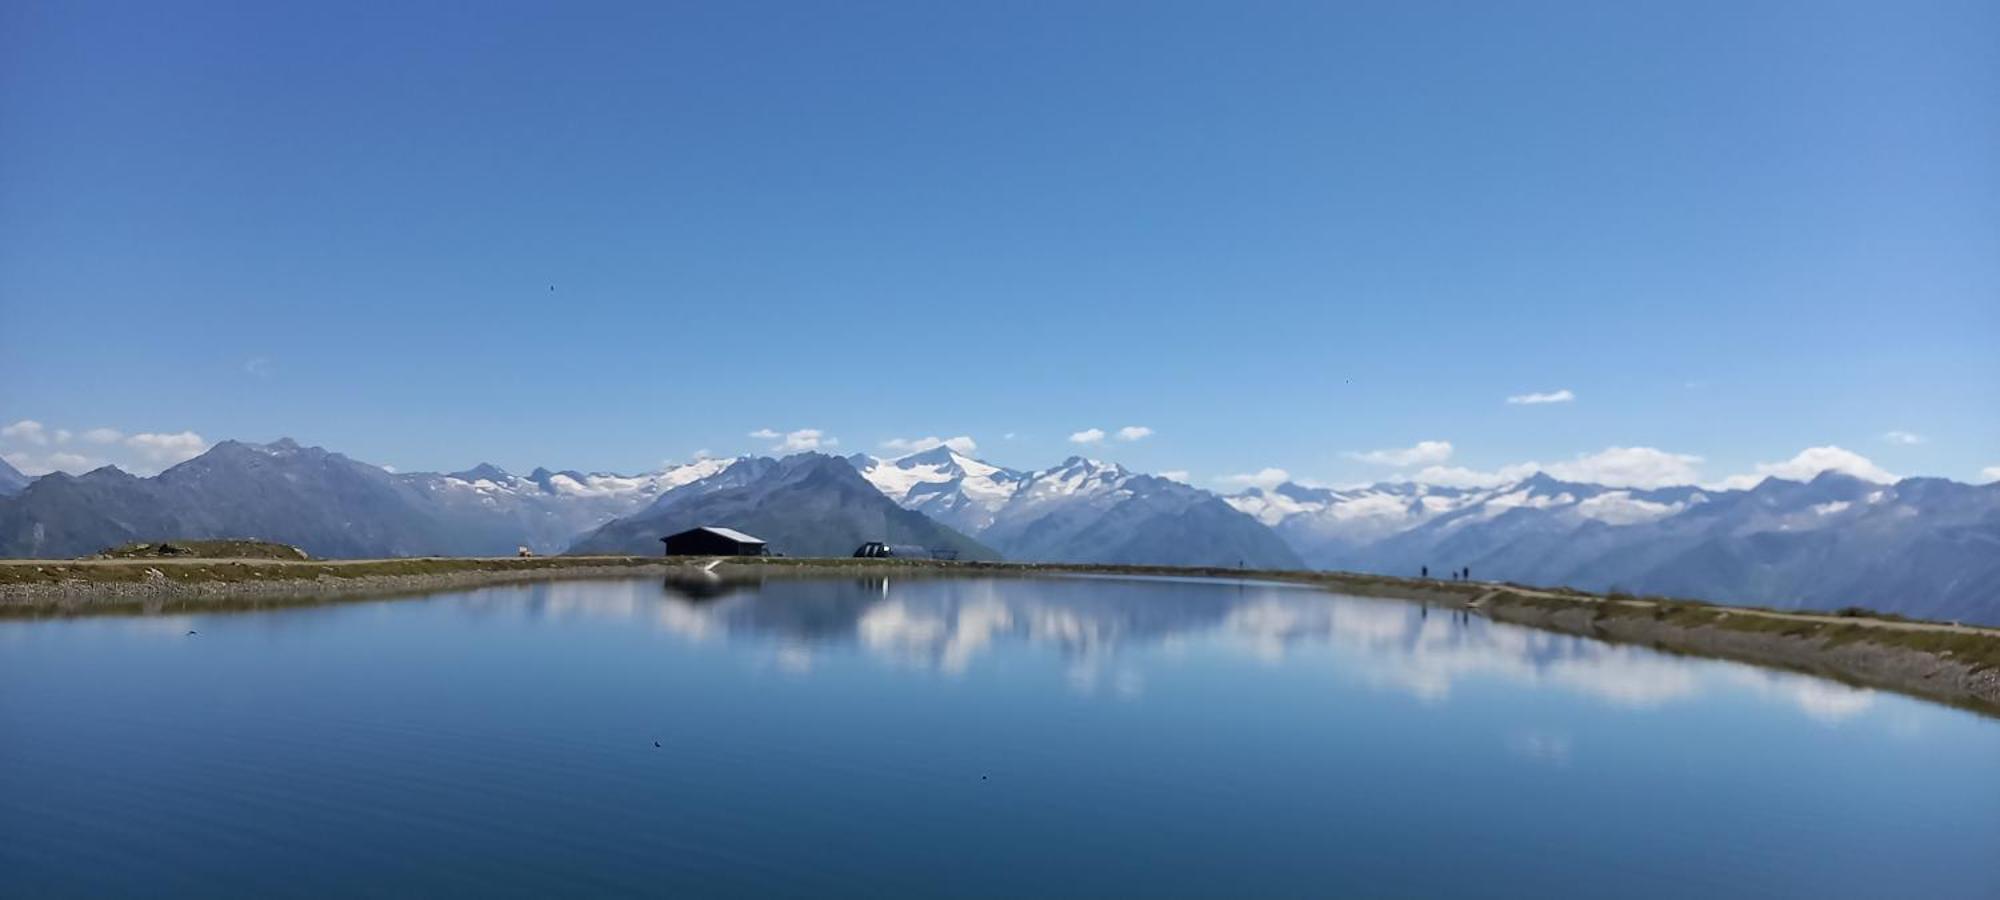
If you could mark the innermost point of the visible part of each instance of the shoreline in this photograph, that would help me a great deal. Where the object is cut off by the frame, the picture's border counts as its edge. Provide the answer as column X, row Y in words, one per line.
column 1943, row 662
column 69, row 588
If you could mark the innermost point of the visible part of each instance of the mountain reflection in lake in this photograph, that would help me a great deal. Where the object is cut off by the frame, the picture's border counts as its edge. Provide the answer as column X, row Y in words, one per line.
column 1002, row 737
column 945, row 625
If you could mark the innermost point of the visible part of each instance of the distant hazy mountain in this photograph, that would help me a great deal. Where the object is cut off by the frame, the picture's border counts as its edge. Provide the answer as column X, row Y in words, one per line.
column 808, row 504
column 324, row 502
column 11, row 479
column 1078, row 511
column 546, row 510
column 1332, row 528
column 1922, row 547
column 1082, row 510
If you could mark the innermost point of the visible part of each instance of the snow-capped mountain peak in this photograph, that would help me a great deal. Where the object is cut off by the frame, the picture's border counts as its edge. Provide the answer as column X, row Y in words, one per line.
column 942, row 483
column 1077, row 510
column 484, row 472
column 553, row 506
column 648, row 485
column 1339, row 519
column 1320, row 516
column 1075, row 476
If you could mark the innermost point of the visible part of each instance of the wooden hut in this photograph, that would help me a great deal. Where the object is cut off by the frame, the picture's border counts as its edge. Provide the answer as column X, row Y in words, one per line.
column 711, row 540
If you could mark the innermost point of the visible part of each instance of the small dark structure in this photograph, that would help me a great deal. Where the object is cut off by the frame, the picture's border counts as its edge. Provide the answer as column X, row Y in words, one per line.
column 710, row 540
column 880, row 550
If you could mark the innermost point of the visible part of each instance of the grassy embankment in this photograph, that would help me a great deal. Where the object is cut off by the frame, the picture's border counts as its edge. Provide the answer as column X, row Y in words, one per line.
column 1975, row 646
column 223, row 572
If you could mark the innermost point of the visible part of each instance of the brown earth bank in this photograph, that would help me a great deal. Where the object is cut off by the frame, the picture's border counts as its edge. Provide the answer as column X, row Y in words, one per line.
column 1948, row 662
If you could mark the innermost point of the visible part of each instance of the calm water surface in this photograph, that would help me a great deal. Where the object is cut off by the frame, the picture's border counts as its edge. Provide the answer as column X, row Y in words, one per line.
column 1084, row 737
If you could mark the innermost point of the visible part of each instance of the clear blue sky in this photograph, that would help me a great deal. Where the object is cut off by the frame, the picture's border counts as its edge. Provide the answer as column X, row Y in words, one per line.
column 1274, row 234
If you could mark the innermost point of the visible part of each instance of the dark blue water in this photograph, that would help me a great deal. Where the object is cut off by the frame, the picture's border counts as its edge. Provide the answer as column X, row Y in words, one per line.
column 1080, row 737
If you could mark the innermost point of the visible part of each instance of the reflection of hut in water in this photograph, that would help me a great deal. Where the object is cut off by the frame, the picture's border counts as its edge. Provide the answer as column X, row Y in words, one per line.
column 701, row 587
column 806, row 611
column 713, row 540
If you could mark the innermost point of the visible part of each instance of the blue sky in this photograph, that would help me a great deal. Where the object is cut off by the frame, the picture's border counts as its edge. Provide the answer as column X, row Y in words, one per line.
column 1275, row 235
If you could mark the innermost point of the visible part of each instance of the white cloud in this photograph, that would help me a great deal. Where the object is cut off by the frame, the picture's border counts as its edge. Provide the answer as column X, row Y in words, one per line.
column 1462, row 477
column 961, row 444
column 1990, row 473
column 809, row 439
column 167, row 449
column 1008, row 436
column 57, row 461
column 1134, row 432
column 29, row 446
column 1088, row 436
column 797, row 441
column 1180, row 475
column 1424, row 453
column 26, row 431
column 1561, row 396
column 1809, row 463
column 1639, row 467
column 1267, row 478
column 259, row 366
column 1648, row 467
column 1902, row 437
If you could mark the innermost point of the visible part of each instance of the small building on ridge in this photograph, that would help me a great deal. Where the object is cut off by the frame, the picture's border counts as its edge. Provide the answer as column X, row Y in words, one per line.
column 711, row 540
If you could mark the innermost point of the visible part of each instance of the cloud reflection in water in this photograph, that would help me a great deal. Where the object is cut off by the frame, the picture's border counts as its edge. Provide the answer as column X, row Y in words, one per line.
column 1106, row 628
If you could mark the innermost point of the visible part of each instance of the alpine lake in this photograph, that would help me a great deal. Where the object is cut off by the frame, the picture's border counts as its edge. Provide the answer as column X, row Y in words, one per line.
column 993, row 737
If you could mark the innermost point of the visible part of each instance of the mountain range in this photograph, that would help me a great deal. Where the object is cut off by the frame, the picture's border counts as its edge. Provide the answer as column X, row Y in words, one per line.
column 11, row 479
column 324, row 502
column 1079, row 510
column 1921, row 546
column 807, row 504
